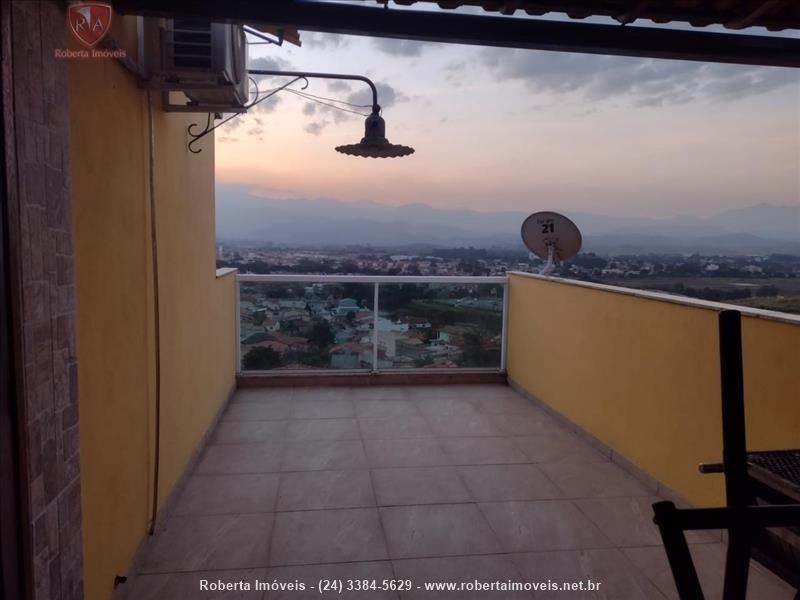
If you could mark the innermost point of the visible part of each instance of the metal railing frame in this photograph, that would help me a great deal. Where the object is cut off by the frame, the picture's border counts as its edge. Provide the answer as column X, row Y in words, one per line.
column 375, row 281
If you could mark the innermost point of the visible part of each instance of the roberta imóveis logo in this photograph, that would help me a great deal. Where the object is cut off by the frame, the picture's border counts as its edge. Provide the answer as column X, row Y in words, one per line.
column 89, row 21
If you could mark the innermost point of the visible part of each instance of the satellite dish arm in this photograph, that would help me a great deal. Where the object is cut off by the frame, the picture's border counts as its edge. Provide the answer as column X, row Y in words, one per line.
column 551, row 263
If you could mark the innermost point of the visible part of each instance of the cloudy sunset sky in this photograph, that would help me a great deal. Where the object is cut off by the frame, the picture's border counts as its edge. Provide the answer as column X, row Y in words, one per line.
column 498, row 129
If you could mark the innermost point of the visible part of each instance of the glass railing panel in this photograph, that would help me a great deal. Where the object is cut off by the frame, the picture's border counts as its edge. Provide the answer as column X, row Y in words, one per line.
column 440, row 326
column 305, row 326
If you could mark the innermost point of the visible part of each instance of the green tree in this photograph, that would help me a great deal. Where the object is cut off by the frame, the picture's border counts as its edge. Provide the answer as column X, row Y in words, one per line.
column 261, row 358
column 769, row 291
column 475, row 354
column 290, row 327
column 423, row 361
column 321, row 335
column 313, row 357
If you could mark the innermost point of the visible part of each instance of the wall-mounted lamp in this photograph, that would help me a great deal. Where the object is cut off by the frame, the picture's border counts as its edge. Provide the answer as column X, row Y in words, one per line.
column 374, row 143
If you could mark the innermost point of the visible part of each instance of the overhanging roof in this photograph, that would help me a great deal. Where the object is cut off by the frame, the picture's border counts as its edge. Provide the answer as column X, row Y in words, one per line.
column 284, row 35
column 500, row 31
column 775, row 15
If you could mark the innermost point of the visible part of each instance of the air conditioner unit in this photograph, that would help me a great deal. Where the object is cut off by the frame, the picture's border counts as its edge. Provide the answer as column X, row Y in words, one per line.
column 206, row 61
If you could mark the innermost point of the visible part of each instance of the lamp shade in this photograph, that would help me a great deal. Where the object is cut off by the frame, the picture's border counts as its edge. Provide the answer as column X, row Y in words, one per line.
column 374, row 143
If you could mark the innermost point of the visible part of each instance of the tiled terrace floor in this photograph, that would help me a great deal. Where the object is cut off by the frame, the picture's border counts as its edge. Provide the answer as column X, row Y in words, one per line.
column 429, row 483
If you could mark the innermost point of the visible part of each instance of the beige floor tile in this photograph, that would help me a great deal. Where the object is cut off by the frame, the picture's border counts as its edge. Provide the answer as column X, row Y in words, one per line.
column 557, row 446
column 444, row 406
column 277, row 394
column 249, row 432
column 322, row 394
column 327, row 408
column 462, row 425
column 388, row 407
column 542, row 525
column 482, row 451
column 209, row 542
column 264, row 410
column 380, row 392
column 593, row 480
column 404, row 453
column 418, row 485
column 507, row 482
column 311, row 490
column 323, row 456
column 477, row 393
column 504, row 403
column 390, row 428
column 240, row 458
column 228, row 494
column 532, row 422
column 327, row 536
column 303, row 430
column 437, row 530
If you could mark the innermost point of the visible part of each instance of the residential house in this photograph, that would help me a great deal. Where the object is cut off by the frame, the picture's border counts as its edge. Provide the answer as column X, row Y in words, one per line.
column 271, row 325
column 347, row 356
column 416, row 322
column 346, row 306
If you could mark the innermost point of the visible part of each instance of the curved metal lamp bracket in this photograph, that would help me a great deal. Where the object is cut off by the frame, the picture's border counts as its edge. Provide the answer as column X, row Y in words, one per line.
column 297, row 76
column 209, row 128
column 310, row 75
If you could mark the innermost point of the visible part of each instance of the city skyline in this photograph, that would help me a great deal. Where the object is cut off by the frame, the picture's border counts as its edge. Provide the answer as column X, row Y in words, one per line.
column 499, row 129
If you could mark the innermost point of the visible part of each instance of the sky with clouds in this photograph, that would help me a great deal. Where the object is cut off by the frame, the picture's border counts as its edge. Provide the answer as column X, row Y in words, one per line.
column 503, row 129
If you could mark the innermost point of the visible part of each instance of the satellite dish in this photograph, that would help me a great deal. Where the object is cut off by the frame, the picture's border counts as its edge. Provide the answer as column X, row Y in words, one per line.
column 552, row 237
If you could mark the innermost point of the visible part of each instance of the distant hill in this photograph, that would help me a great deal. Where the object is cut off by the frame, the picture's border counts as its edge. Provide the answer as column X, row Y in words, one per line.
column 242, row 216
column 728, row 244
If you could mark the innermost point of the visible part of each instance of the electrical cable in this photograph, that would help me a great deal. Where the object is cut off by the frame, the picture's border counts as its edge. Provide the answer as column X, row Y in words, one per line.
column 336, row 100
column 313, row 99
column 156, row 318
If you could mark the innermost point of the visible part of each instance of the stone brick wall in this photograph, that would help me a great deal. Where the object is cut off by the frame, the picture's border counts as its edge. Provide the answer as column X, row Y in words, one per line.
column 36, row 126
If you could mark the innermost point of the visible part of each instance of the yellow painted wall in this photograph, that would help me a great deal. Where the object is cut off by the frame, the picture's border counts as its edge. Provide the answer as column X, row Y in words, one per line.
column 642, row 375
column 115, row 312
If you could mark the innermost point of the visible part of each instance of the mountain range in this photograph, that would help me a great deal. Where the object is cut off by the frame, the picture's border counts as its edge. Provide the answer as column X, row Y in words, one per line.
column 245, row 217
